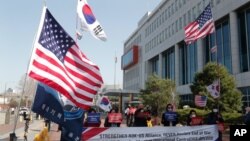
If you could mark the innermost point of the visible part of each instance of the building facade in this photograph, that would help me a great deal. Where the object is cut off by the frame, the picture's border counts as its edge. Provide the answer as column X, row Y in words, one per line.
column 159, row 38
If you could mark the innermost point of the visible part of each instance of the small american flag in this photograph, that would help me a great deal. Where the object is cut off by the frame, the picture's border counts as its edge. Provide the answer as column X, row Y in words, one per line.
column 58, row 62
column 200, row 100
column 213, row 49
column 201, row 27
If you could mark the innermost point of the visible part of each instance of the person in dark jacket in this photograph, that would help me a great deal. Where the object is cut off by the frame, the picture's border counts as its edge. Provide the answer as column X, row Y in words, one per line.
column 97, row 122
column 247, row 116
column 140, row 117
column 169, row 118
column 215, row 117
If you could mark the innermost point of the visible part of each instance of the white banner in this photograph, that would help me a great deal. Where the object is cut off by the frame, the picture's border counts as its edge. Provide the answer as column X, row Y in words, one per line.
column 185, row 133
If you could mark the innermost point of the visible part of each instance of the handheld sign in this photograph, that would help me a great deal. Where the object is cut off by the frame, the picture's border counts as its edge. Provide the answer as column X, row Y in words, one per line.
column 196, row 120
column 115, row 117
column 93, row 118
column 170, row 116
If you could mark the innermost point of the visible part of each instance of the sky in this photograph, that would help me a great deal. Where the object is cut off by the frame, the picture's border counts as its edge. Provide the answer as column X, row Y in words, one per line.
column 19, row 22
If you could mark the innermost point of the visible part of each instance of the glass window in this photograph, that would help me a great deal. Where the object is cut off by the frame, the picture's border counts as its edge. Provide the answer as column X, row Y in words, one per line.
column 169, row 64
column 244, row 39
column 194, row 13
column 154, row 65
column 245, row 96
column 184, row 20
column 187, row 62
column 223, row 53
column 176, row 26
column 172, row 8
column 172, row 28
column 166, row 14
column 180, row 22
column 180, row 3
column 176, row 5
column 189, row 16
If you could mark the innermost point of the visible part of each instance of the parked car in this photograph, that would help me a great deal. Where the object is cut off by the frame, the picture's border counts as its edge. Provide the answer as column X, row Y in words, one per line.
column 24, row 109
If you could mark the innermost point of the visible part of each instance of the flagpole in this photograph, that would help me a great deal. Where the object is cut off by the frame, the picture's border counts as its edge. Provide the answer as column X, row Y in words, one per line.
column 45, row 2
column 216, row 57
column 13, row 135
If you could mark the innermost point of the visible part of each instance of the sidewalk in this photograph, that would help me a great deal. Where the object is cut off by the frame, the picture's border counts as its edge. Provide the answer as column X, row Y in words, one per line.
column 35, row 127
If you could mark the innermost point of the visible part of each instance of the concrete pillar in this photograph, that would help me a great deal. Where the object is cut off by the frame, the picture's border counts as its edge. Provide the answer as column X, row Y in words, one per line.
column 234, row 42
column 176, row 63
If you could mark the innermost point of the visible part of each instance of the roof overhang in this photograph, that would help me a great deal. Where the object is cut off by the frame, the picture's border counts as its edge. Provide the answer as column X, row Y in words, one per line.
column 119, row 92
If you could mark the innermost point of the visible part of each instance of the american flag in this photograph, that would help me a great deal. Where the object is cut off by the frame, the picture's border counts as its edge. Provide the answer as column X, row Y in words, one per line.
column 200, row 100
column 201, row 27
column 58, row 62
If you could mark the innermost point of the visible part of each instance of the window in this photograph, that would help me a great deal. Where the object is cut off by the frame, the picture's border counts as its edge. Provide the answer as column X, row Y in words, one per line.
column 168, row 66
column 194, row 13
column 176, row 6
column 222, row 39
column 176, row 26
column 199, row 8
column 189, row 16
column 154, row 65
column 245, row 96
column 172, row 8
column 244, row 39
column 187, row 62
column 172, row 28
column 186, row 99
column 180, row 4
column 184, row 20
column 180, row 23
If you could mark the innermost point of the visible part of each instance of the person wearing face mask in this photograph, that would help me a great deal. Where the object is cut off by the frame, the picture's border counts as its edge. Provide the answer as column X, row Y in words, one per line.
column 193, row 119
column 169, row 118
column 216, row 118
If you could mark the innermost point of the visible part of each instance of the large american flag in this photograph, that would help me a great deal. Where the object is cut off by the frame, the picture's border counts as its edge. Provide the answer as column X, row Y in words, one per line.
column 200, row 100
column 201, row 27
column 58, row 62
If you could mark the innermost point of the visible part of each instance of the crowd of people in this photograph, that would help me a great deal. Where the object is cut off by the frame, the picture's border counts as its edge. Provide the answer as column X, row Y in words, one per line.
column 141, row 116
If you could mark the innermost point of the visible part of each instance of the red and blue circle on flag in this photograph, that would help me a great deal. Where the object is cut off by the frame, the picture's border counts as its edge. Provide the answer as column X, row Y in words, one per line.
column 88, row 14
column 105, row 101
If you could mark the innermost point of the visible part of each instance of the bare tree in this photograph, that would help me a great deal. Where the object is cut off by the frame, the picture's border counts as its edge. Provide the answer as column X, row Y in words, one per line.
column 27, row 86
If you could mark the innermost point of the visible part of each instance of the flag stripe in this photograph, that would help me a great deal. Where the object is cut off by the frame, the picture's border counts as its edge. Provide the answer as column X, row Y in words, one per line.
column 58, row 66
column 81, row 103
column 59, row 76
